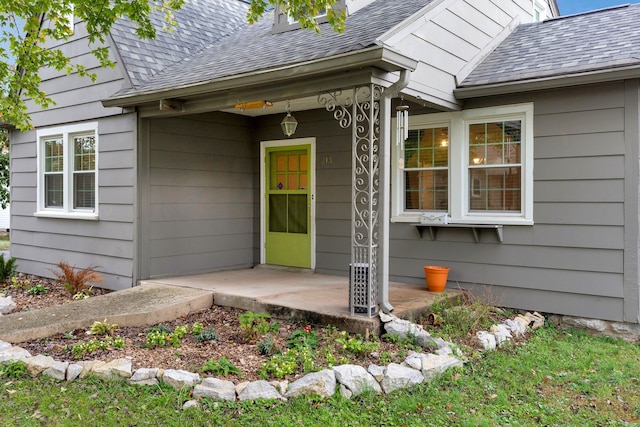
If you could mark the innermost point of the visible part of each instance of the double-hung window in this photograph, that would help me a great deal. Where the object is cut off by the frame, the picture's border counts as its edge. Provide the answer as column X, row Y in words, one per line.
column 426, row 169
column 67, row 171
column 475, row 166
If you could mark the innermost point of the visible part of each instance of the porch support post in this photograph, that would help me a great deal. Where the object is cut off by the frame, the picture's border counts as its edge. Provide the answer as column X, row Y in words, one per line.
column 361, row 112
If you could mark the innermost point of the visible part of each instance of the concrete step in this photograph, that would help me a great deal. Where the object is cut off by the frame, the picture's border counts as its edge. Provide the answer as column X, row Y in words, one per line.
column 144, row 305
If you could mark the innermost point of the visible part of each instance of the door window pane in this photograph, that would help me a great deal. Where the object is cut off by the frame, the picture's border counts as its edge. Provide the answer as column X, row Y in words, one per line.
column 297, row 213
column 278, row 213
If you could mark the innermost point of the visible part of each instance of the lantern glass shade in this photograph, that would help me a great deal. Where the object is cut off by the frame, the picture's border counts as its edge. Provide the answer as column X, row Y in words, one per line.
column 289, row 125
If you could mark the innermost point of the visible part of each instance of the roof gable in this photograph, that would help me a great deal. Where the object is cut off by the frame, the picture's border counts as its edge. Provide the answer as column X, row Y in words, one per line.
column 595, row 41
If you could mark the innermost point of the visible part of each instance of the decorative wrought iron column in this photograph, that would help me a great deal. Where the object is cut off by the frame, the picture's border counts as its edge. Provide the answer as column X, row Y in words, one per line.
column 361, row 112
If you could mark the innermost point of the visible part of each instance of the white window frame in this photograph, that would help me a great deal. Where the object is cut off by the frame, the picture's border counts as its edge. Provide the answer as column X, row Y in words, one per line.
column 459, row 187
column 66, row 133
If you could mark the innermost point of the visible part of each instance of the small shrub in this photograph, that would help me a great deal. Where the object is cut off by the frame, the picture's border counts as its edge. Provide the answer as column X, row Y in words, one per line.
column 88, row 347
column 300, row 339
column 181, row 331
column 18, row 284
column 356, row 345
column 207, row 335
column 255, row 325
column 38, row 289
column 267, row 346
column 197, row 328
column 76, row 281
column 14, row 369
column 84, row 294
column 157, row 338
column 7, row 268
column 463, row 316
column 102, row 328
column 280, row 365
column 307, row 358
column 222, row 367
column 160, row 328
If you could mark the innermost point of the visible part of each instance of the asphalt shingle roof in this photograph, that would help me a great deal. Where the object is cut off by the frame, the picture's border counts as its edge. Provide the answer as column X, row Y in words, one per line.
column 254, row 48
column 579, row 43
column 200, row 23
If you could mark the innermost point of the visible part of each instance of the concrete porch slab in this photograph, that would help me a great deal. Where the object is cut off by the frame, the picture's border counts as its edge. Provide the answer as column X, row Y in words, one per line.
column 303, row 296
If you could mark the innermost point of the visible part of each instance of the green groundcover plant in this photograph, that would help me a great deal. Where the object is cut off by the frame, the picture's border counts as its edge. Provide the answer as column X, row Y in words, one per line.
column 557, row 378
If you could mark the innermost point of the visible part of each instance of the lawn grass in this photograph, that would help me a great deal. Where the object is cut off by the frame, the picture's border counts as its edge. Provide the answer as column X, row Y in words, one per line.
column 4, row 243
column 557, row 378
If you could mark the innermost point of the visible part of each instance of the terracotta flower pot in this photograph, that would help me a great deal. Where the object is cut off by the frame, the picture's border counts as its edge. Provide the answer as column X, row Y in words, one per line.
column 436, row 277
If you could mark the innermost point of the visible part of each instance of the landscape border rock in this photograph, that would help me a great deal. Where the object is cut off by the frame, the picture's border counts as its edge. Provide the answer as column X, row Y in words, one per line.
column 350, row 380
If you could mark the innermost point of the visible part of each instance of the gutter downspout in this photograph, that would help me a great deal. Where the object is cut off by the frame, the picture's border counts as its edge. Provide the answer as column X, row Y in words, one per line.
column 385, row 190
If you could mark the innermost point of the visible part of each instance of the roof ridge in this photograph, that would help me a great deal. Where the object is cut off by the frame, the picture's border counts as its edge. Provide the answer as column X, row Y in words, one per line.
column 588, row 12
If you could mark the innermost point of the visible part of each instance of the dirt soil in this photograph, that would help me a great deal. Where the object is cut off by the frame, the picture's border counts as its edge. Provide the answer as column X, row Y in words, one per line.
column 190, row 355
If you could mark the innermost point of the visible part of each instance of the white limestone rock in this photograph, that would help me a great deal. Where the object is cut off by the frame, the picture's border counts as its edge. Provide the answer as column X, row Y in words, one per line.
column 259, row 390
column 281, row 386
column 36, row 364
column 536, row 319
column 487, row 340
column 322, row 383
column 376, row 371
column 145, row 376
column 356, row 379
column 13, row 354
column 345, row 392
column 414, row 360
column 57, row 371
column 88, row 366
column 501, row 333
column 404, row 328
column 397, row 376
column 5, row 345
column 579, row 322
column 215, row 388
column 433, row 364
column 630, row 329
column 524, row 321
column 117, row 368
column 7, row 305
column 516, row 328
column 190, row 404
column 179, row 379
column 241, row 386
column 386, row 318
column 73, row 371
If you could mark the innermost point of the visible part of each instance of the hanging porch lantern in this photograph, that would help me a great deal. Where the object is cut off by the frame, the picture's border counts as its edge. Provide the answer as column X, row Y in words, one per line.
column 289, row 123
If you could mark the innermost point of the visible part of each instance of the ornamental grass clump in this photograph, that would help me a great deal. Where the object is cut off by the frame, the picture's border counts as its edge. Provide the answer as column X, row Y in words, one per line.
column 77, row 281
column 7, row 268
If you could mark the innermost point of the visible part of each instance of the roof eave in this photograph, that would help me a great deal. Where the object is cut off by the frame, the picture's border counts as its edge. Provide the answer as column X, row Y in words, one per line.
column 378, row 56
column 551, row 82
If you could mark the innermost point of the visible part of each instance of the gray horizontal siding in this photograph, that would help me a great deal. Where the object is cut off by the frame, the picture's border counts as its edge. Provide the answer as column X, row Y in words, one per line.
column 199, row 195
column 572, row 260
column 39, row 244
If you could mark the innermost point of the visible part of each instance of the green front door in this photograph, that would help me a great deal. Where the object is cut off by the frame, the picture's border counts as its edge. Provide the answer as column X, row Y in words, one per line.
column 288, row 206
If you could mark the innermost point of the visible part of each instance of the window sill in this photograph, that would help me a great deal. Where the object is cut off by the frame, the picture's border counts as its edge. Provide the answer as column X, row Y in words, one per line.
column 475, row 229
column 88, row 216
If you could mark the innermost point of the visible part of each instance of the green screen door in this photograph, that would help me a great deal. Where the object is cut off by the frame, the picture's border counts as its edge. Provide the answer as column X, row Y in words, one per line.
column 288, row 205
